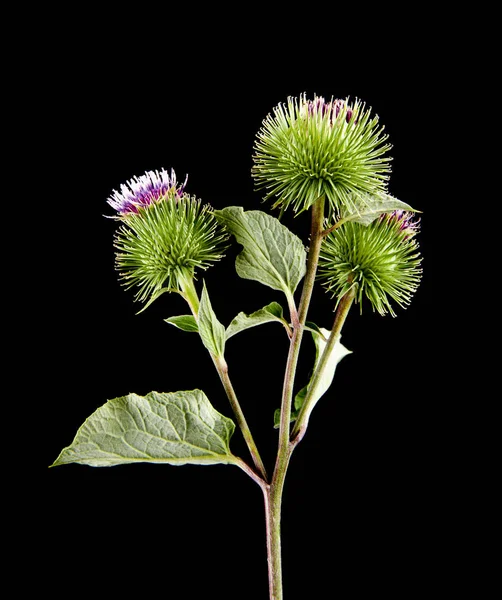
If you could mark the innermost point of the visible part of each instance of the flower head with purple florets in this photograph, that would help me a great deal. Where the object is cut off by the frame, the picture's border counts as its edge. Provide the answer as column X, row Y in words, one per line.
column 142, row 191
column 165, row 235
column 330, row 109
column 404, row 220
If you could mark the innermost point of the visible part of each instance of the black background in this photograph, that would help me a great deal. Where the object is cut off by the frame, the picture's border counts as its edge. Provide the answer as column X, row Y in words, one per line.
column 366, row 506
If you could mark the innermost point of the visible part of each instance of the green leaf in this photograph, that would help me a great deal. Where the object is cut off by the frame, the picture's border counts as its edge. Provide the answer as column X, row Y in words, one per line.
column 212, row 332
column 313, row 328
column 184, row 322
column 270, row 313
column 339, row 351
column 175, row 428
column 300, row 397
column 277, row 417
column 365, row 208
column 272, row 254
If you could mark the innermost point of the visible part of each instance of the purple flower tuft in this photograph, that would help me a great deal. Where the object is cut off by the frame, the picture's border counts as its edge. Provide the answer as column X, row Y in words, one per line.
column 404, row 220
column 142, row 191
column 332, row 108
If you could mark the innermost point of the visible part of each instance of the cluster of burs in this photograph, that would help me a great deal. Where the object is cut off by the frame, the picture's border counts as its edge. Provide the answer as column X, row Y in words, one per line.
column 307, row 151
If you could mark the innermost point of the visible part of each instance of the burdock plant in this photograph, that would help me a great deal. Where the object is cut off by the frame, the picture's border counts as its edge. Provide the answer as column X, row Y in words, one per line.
column 326, row 157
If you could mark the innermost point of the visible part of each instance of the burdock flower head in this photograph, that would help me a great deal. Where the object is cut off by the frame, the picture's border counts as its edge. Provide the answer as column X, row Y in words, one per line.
column 380, row 260
column 165, row 235
column 312, row 148
column 142, row 191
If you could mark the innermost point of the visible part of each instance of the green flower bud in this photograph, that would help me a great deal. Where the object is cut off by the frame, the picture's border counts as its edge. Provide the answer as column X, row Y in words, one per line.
column 380, row 259
column 161, row 242
column 310, row 148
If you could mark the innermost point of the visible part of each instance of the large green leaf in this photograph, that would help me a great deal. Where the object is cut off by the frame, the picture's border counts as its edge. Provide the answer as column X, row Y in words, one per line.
column 212, row 332
column 272, row 254
column 268, row 314
column 365, row 208
column 175, row 428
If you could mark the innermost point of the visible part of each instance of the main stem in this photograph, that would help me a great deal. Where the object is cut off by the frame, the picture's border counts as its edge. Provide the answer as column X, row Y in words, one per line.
column 296, row 339
column 273, row 492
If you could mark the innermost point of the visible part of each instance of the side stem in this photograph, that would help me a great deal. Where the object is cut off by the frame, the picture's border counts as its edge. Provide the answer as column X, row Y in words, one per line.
column 190, row 294
column 222, row 368
column 303, row 417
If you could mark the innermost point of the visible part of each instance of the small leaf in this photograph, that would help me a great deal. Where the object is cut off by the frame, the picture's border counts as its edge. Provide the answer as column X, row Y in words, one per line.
column 270, row 313
column 365, row 208
column 313, row 328
column 300, row 397
column 184, row 322
column 337, row 353
column 277, row 417
column 272, row 254
column 175, row 428
column 212, row 332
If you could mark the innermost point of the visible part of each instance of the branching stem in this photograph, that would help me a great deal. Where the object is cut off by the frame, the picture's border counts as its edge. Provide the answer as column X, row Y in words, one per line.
column 303, row 417
column 222, row 368
column 298, row 325
column 190, row 294
column 273, row 494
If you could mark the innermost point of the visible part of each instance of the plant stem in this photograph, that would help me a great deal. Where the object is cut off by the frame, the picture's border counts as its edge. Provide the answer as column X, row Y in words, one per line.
column 190, row 294
column 303, row 418
column 252, row 474
column 222, row 368
column 316, row 237
column 273, row 494
column 273, row 498
column 296, row 338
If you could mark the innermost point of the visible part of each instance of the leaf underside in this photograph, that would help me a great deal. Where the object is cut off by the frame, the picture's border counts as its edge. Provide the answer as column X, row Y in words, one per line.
column 365, row 208
column 175, row 428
